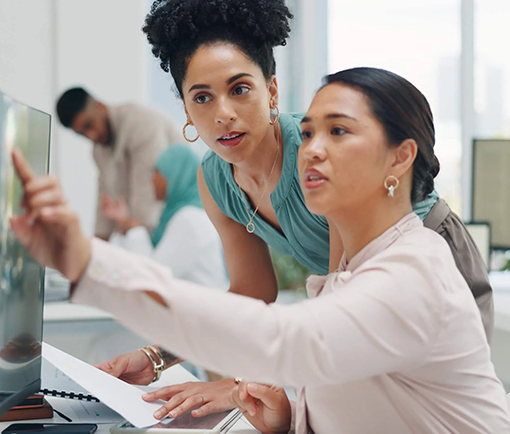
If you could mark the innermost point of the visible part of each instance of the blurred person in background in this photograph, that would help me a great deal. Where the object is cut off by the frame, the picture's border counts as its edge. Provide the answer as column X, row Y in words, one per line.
column 184, row 239
column 127, row 139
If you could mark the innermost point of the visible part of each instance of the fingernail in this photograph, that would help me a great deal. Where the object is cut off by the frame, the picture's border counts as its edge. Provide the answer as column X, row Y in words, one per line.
column 157, row 415
column 146, row 395
column 252, row 387
column 171, row 414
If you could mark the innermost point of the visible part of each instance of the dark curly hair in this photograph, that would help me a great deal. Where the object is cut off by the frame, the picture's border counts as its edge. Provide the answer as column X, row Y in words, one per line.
column 404, row 114
column 70, row 104
column 177, row 28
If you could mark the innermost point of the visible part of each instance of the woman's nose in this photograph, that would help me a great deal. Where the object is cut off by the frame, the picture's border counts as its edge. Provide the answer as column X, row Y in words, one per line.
column 225, row 113
column 314, row 149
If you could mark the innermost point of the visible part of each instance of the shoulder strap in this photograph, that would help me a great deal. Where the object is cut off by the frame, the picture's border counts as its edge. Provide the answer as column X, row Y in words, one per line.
column 437, row 215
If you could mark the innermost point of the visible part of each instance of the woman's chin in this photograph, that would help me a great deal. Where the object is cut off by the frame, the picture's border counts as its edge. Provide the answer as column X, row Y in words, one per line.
column 234, row 155
column 319, row 207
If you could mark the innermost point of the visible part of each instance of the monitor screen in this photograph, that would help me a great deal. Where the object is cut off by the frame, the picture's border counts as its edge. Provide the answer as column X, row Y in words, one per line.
column 490, row 200
column 21, row 279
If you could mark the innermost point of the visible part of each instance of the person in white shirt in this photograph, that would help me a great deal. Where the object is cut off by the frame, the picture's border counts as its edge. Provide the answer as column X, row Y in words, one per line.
column 391, row 342
column 184, row 239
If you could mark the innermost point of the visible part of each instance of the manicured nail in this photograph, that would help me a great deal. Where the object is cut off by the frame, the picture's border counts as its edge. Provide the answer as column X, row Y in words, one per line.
column 252, row 387
column 146, row 395
column 171, row 414
column 157, row 415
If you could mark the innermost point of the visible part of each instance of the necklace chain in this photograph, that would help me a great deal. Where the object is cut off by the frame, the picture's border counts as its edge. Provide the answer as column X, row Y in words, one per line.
column 250, row 226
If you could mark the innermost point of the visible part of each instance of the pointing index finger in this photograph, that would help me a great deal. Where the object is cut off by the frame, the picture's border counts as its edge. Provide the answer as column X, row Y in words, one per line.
column 22, row 167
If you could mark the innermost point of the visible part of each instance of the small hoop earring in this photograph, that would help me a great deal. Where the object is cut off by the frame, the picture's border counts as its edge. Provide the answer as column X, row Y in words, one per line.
column 391, row 188
column 184, row 133
column 277, row 117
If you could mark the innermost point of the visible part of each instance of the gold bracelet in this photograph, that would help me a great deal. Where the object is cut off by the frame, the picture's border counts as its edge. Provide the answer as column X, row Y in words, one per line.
column 158, row 353
column 158, row 367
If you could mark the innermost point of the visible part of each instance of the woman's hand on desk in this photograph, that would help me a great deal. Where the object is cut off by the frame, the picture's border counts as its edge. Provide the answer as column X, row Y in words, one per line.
column 211, row 397
column 49, row 230
column 266, row 407
column 133, row 368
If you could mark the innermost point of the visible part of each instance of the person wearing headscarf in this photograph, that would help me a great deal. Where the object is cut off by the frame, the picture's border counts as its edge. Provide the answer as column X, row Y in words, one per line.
column 184, row 239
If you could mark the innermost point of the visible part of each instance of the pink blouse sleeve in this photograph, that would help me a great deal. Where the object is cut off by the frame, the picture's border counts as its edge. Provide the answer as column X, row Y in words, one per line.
column 381, row 320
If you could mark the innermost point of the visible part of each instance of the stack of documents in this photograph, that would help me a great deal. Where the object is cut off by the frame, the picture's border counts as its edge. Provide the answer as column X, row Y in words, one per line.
column 65, row 373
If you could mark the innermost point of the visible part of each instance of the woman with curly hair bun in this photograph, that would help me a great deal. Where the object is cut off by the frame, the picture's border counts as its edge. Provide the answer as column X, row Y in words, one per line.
column 220, row 54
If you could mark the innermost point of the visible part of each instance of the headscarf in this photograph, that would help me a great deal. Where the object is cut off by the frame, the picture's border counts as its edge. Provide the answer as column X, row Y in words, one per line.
column 179, row 165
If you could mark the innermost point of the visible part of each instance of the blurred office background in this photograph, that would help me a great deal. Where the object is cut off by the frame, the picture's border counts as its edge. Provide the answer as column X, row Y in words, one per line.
column 454, row 51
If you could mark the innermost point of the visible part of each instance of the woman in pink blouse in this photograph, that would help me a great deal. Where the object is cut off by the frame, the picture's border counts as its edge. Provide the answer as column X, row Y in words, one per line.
column 392, row 342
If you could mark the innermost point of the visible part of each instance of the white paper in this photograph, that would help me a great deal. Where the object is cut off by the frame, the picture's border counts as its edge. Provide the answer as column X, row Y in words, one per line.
column 53, row 378
column 121, row 397
column 83, row 411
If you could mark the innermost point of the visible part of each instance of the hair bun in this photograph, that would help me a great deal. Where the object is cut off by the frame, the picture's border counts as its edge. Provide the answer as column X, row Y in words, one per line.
column 176, row 28
column 265, row 22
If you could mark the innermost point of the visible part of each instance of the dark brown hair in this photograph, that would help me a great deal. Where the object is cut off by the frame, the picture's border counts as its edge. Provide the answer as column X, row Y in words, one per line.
column 404, row 114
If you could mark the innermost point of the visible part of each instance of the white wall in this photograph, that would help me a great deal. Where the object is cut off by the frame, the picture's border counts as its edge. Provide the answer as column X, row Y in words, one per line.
column 303, row 62
column 47, row 46
column 26, row 60
column 27, row 66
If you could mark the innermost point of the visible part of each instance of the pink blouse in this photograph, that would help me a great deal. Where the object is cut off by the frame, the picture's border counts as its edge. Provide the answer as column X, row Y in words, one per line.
column 390, row 343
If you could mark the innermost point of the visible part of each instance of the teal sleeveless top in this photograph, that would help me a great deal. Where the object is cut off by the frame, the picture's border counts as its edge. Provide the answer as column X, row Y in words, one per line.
column 305, row 235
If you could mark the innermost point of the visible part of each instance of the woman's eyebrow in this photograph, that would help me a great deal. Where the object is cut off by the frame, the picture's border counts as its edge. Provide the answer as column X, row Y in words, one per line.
column 307, row 119
column 238, row 76
column 229, row 81
column 199, row 86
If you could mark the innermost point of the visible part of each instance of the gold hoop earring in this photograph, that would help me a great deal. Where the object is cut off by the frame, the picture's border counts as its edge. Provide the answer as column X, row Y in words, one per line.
column 391, row 188
column 277, row 116
column 184, row 133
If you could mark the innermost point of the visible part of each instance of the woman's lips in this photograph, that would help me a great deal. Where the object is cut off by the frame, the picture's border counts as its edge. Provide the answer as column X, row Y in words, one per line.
column 312, row 179
column 231, row 139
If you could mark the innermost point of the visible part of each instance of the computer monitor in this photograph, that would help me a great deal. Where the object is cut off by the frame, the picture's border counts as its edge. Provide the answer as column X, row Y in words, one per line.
column 21, row 278
column 490, row 200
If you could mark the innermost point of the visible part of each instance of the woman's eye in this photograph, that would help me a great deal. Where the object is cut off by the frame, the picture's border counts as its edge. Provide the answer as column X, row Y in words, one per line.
column 241, row 90
column 202, row 99
column 306, row 135
column 337, row 131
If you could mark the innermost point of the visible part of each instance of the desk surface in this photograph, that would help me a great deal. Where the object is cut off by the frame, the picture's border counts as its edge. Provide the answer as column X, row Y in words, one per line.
column 66, row 311
column 241, row 427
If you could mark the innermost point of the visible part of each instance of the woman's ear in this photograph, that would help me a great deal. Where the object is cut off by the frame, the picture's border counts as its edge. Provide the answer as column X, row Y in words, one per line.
column 188, row 117
column 405, row 154
column 273, row 92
